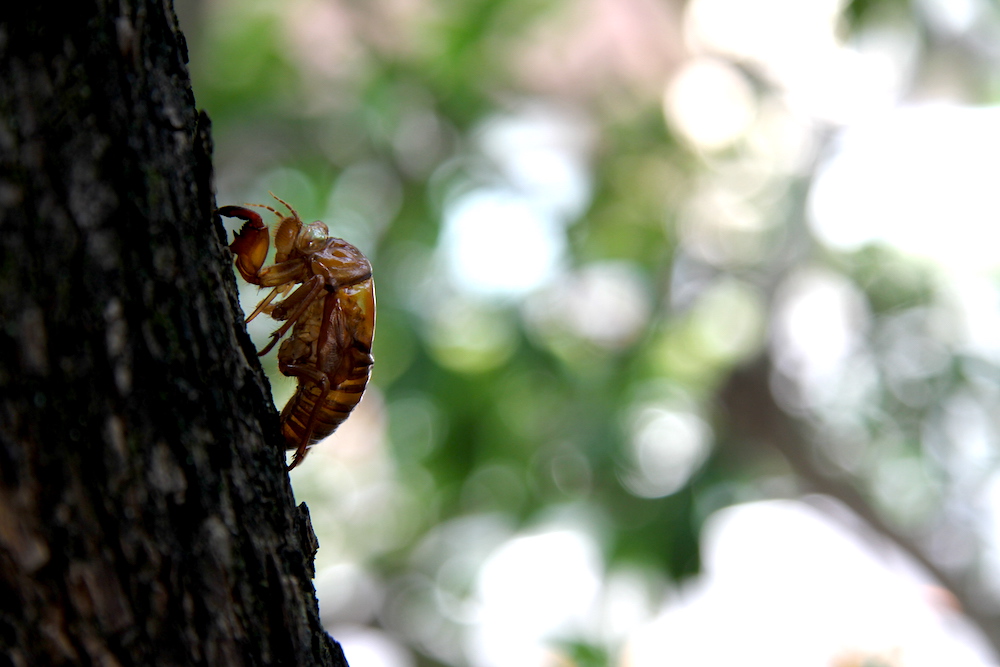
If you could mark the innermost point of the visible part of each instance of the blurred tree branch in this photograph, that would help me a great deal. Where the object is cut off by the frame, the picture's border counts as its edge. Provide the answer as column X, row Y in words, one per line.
column 753, row 416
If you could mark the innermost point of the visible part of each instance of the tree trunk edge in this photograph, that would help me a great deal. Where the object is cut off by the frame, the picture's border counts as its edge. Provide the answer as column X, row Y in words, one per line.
column 145, row 513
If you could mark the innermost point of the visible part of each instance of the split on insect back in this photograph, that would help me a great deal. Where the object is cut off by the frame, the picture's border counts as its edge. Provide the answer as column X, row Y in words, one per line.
column 330, row 311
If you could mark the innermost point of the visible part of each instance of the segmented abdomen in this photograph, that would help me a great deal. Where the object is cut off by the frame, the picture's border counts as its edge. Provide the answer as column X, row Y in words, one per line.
column 333, row 410
column 312, row 414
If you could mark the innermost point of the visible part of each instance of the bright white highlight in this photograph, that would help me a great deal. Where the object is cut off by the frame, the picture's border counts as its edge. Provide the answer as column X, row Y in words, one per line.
column 795, row 45
column 787, row 586
column 530, row 591
column 710, row 103
column 922, row 179
column 778, row 33
column 667, row 446
column 368, row 647
column 507, row 237
column 497, row 243
column 542, row 152
column 819, row 321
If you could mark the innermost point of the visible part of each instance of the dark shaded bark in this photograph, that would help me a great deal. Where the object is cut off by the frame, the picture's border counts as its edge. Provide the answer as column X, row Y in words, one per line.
column 145, row 513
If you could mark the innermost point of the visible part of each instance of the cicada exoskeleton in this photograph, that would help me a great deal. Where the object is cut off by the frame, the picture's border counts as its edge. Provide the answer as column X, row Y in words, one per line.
column 330, row 310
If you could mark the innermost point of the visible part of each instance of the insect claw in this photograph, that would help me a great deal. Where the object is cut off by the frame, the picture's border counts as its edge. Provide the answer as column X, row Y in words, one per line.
column 267, row 348
column 296, row 459
column 262, row 306
column 251, row 243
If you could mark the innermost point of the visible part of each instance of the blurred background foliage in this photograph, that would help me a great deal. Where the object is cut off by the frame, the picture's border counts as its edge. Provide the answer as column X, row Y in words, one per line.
column 637, row 261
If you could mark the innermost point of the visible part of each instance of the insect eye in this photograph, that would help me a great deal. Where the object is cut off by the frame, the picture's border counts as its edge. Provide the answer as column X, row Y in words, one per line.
column 313, row 236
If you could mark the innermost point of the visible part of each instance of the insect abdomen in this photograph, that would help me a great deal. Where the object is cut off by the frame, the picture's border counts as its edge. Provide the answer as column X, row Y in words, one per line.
column 332, row 411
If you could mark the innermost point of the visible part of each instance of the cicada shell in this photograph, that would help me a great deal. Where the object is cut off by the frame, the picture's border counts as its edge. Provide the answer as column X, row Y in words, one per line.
column 327, row 300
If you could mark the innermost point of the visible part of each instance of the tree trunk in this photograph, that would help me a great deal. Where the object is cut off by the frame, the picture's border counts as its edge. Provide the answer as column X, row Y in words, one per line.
column 145, row 513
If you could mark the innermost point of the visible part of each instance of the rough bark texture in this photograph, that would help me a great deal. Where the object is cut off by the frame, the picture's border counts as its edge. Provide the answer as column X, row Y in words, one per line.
column 145, row 513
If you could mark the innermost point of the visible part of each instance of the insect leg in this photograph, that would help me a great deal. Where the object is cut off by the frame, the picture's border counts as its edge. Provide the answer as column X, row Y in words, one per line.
column 309, row 290
column 262, row 306
column 322, row 381
column 333, row 317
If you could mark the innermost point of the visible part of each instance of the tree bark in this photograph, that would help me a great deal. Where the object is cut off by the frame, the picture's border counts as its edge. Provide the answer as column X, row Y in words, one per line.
column 145, row 513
